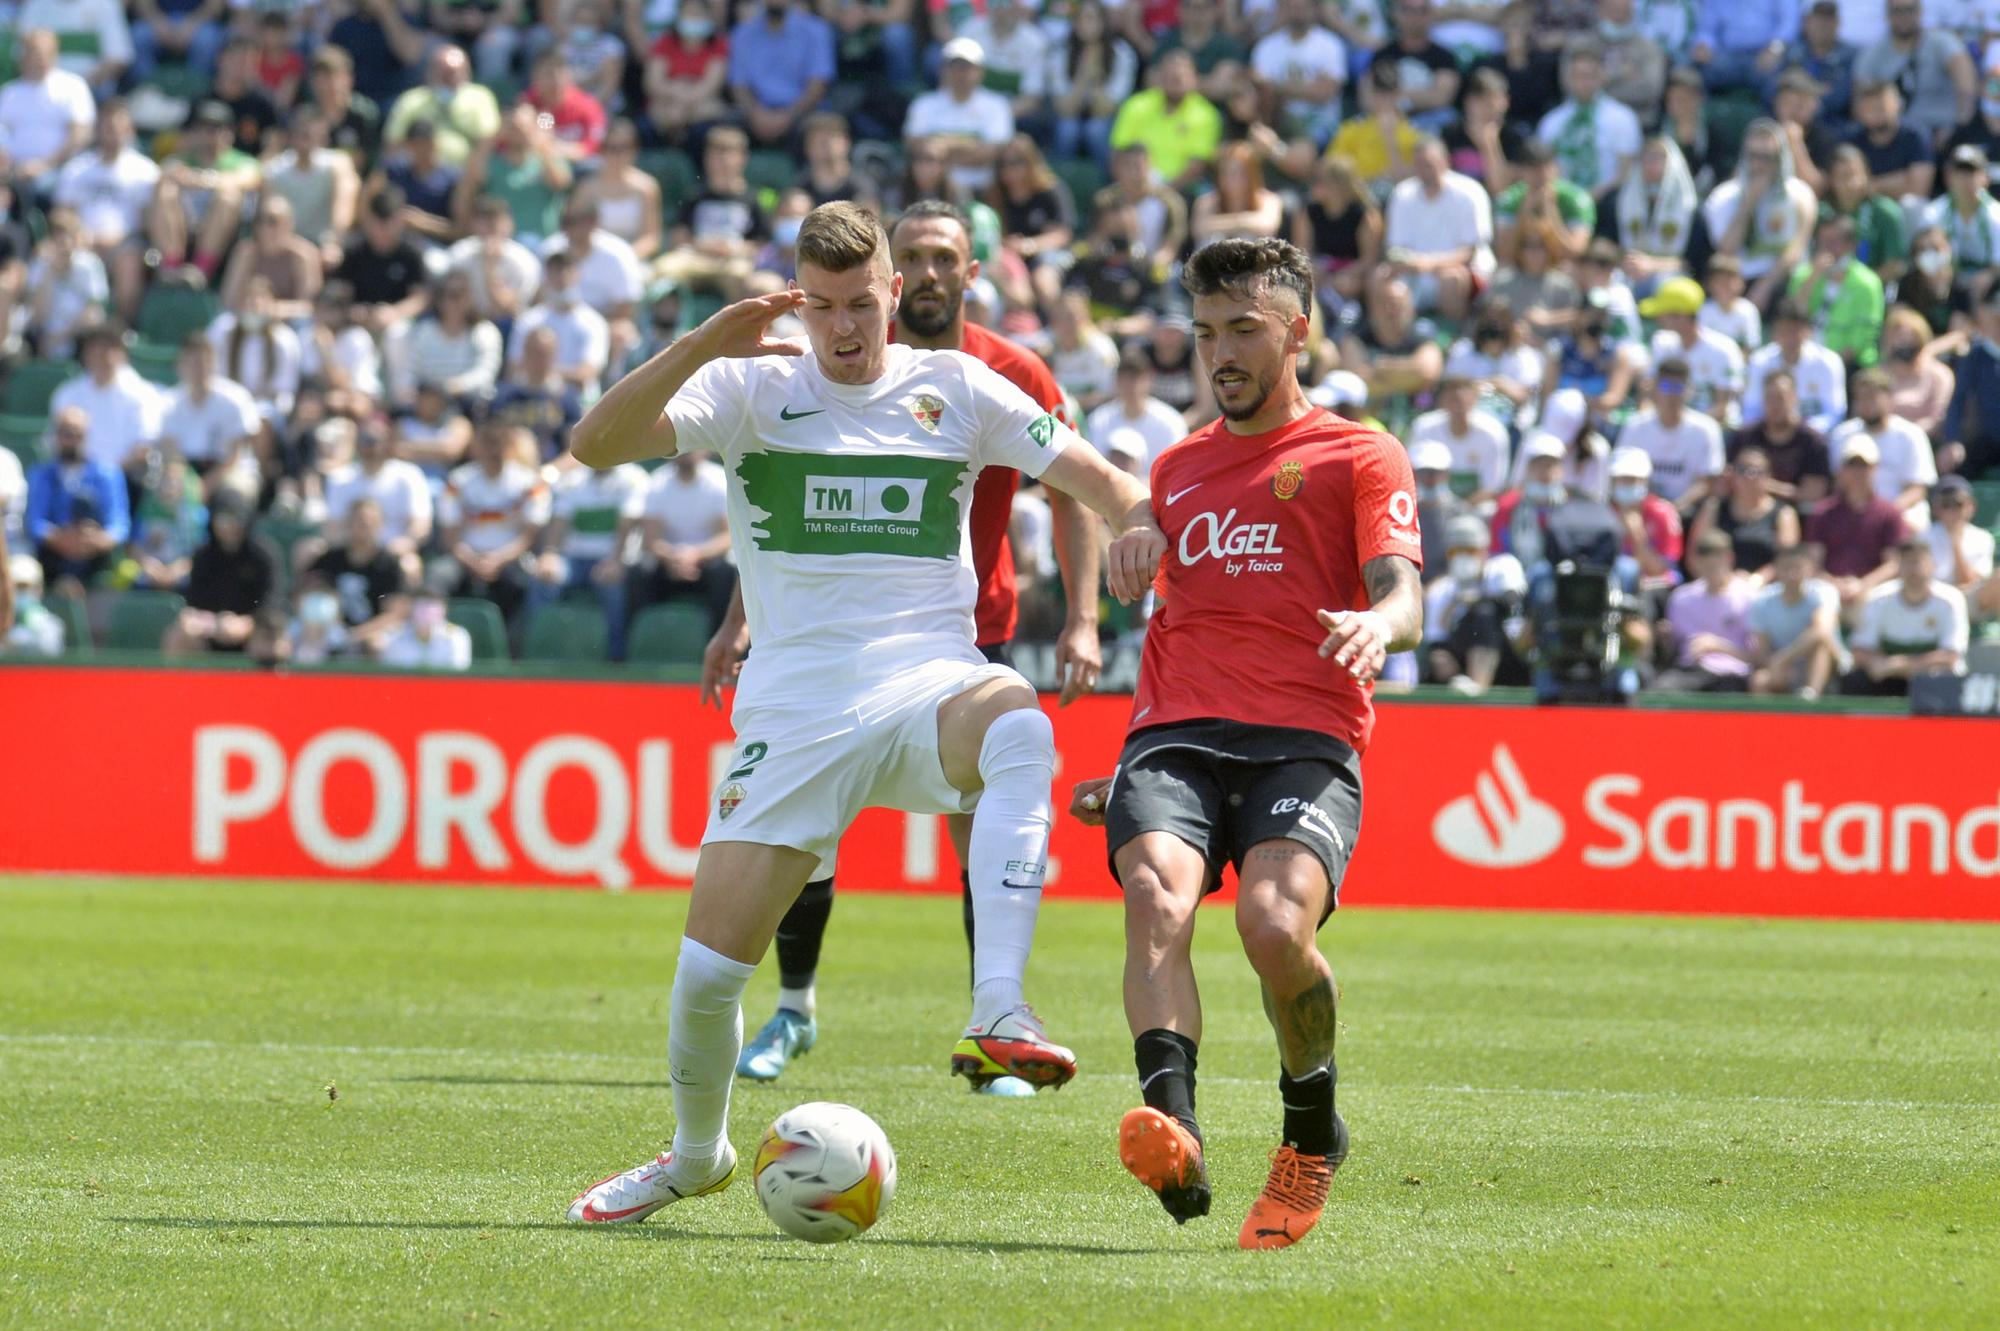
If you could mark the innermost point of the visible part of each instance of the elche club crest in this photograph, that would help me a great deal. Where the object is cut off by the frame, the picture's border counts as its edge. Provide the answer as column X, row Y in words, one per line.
column 1291, row 477
column 928, row 409
column 731, row 796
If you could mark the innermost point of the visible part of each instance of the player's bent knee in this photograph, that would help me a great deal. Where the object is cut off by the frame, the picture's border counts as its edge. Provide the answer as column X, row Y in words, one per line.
column 1152, row 903
column 1017, row 740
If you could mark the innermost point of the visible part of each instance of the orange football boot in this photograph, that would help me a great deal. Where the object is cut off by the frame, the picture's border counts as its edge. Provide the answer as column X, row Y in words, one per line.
column 1294, row 1195
column 1162, row 1154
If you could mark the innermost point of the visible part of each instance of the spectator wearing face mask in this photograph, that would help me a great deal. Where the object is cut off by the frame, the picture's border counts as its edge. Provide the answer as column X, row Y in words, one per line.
column 367, row 581
column 428, row 640
column 1794, row 629
column 583, row 338
column 1920, row 385
column 27, row 626
column 1437, row 504
column 315, row 634
column 1473, row 620
column 1652, row 526
column 1914, row 626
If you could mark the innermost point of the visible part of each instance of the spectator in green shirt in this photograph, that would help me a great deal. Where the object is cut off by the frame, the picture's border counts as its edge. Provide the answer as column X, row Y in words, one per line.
column 1843, row 297
column 197, row 206
column 522, row 166
column 1881, row 240
column 1551, row 205
column 1180, row 128
column 465, row 113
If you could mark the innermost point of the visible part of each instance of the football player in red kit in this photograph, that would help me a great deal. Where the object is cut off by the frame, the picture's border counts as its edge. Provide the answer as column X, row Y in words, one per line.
column 1292, row 572
column 931, row 248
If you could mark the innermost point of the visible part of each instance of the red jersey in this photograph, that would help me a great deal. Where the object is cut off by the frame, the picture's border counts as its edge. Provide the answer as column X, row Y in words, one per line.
column 577, row 118
column 993, row 492
column 1262, row 532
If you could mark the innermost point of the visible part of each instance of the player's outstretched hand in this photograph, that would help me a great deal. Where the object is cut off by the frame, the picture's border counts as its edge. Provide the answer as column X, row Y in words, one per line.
column 1357, row 640
column 1132, row 561
column 722, row 662
column 1079, row 660
column 1086, row 804
column 744, row 329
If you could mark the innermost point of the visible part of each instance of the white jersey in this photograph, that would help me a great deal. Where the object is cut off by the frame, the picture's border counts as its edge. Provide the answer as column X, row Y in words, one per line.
column 847, row 508
column 592, row 504
column 491, row 511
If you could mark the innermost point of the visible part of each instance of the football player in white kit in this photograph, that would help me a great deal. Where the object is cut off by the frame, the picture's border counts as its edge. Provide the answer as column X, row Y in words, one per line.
column 851, row 465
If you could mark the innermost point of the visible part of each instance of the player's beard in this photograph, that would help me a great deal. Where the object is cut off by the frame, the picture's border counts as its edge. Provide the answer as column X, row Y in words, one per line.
column 927, row 322
column 1266, row 384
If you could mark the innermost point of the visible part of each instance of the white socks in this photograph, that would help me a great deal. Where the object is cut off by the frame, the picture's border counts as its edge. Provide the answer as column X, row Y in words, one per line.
column 1009, row 855
column 798, row 1000
column 703, row 1039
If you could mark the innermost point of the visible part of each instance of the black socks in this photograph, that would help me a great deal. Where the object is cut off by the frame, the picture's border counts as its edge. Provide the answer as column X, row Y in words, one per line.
column 1166, row 1074
column 800, row 934
column 1309, row 1119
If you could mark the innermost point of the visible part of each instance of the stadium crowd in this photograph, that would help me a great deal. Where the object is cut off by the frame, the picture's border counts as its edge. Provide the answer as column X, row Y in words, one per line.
column 298, row 298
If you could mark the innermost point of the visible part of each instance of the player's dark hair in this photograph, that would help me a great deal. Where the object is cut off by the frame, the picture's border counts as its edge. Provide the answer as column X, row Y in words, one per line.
column 1242, row 267
column 930, row 210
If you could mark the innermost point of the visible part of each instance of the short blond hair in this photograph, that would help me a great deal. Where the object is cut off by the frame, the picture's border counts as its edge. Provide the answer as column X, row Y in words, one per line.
column 840, row 236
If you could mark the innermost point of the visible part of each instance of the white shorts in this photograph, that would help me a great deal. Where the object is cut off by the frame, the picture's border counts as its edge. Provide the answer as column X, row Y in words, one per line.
column 801, row 773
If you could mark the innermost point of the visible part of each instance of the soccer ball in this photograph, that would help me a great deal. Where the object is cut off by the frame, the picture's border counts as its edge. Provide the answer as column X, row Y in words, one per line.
column 824, row 1172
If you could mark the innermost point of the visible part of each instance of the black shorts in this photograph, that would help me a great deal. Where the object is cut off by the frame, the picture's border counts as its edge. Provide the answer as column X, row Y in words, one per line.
column 1222, row 787
column 999, row 653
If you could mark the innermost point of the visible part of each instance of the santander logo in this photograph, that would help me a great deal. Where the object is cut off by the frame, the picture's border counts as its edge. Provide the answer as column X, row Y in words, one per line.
column 1501, row 825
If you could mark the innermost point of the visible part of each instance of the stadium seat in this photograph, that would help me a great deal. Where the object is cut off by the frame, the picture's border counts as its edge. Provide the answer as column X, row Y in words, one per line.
column 566, row 631
column 679, row 181
column 171, row 311
column 771, row 169
column 1083, row 179
column 140, row 619
column 75, row 618
column 24, row 441
column 29, row 388
column 482, row 620
column 1728, row 117
column 1987, row 495
column 156, row 362
column 671, row 633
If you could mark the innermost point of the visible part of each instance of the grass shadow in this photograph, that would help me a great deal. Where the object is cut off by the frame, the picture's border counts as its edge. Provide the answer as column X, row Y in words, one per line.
column 655, row 1233
column 465, row 1080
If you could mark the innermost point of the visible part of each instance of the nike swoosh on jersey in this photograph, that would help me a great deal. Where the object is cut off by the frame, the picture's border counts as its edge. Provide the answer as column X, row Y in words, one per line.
column 787, row 414
column 1176, row 495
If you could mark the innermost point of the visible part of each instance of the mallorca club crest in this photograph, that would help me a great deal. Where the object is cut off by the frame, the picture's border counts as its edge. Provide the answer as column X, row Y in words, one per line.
column 731, row 796
column 928, row 408
column 1290, row 479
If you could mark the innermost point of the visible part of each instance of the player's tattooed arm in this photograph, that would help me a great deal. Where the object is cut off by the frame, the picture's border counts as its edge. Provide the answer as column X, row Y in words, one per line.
column 1396, row 592
column 1361, row 641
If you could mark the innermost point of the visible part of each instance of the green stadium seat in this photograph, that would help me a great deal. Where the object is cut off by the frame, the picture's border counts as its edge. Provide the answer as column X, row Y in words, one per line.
column 179, row 81
column 24, row 403
column 76, row 623
column 482, row 620
column 1728, row 117
column 771, row 169
column 140, row 620
column 671, row 633
column 679, row 181
column 696, row 306
column 156, row 362
column 567, row 631
column 1083, row 179
column 171, row 311
column 1987, row 495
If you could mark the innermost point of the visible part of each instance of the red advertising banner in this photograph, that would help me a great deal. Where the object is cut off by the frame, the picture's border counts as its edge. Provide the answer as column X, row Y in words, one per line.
column 607, row 785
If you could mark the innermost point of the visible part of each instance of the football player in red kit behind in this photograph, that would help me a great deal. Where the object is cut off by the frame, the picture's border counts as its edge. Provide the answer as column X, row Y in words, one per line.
column 1292, row 572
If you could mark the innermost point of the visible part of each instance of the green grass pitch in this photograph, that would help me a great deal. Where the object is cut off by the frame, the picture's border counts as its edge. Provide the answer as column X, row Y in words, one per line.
column 1558, row 1121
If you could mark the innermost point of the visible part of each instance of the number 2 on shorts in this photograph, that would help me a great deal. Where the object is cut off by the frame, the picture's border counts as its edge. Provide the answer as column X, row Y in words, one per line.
column 753, row 753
